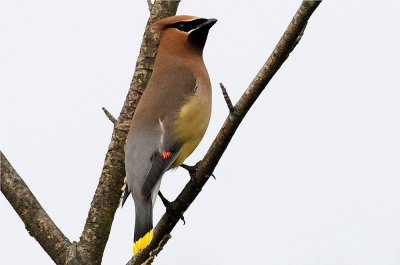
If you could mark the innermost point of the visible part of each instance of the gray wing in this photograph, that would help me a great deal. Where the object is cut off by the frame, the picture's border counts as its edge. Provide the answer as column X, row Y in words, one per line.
column 159, row 165
column 151, row 128
column 146, row 164
column 138, row 153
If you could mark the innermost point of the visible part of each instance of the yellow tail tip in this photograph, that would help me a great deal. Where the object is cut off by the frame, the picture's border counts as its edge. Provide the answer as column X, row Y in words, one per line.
column 143, row 242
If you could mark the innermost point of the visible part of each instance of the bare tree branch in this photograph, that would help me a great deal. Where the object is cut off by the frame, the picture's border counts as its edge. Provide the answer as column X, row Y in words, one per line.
column 107, row 196
column 35, row 218
column 90, row 248
column 214, row 153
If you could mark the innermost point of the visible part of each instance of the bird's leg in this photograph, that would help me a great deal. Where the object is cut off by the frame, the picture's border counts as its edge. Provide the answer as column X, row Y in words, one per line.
column 168, row 207
column 193, row 169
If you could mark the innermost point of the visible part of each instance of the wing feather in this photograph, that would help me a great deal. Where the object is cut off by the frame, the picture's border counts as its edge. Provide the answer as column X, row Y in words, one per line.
column 159, row 165
column 152, row 130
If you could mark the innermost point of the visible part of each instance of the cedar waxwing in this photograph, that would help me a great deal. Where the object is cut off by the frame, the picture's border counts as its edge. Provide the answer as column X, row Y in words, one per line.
column 171, row 117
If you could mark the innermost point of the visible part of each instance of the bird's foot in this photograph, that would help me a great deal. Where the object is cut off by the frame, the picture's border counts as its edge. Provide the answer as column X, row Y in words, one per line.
column 168, row 207
column 193, row 169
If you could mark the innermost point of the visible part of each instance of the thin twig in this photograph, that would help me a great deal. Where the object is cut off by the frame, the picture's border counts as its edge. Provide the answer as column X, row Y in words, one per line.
column 150, row 4
column 109, row 115
column 227, row 98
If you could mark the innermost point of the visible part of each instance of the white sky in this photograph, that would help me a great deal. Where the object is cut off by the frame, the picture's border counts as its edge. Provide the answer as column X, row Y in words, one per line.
column 311, row 177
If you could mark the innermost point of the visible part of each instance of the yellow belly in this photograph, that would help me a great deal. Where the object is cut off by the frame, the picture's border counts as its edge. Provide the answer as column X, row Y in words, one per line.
column 191, row 124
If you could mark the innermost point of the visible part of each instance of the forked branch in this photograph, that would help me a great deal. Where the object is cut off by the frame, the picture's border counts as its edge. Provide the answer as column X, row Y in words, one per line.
column 90, row 248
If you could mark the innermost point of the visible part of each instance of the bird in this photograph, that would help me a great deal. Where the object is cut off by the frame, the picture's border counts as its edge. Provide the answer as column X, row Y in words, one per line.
column 171, row 117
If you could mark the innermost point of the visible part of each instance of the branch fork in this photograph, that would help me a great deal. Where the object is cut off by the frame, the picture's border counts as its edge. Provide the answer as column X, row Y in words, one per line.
column 95, row 234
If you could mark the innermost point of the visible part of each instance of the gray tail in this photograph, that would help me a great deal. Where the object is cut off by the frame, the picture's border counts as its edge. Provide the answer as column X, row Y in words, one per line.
column 143, row 218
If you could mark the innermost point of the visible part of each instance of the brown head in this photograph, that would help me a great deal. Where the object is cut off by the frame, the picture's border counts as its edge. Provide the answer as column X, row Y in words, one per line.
column 182, row 34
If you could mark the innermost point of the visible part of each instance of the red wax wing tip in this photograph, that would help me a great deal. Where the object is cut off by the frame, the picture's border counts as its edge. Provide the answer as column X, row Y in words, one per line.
column 166, row 154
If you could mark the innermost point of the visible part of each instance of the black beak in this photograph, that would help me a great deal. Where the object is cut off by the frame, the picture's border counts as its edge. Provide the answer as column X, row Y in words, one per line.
column 208, row 24
column 198, row 36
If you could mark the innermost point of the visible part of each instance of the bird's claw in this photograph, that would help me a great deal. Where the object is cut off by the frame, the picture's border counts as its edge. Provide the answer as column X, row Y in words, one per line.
column 193, row 169
column 190, row 169
column 168, row 207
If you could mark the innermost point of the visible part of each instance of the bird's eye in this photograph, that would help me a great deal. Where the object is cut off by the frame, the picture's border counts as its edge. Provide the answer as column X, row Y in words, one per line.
column 181, row 26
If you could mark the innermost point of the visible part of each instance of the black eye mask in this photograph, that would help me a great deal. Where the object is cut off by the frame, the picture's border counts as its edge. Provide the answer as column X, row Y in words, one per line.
column 187, row 26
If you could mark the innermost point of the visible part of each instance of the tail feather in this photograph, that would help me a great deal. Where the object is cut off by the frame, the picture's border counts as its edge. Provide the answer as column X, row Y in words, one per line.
column 143, row 225
column 143, row 242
